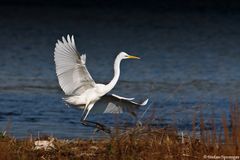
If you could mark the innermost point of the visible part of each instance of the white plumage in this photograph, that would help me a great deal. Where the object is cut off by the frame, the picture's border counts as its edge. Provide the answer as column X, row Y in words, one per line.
column 79, row 87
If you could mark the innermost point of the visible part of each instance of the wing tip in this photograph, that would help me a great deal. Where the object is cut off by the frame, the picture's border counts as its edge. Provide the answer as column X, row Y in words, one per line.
column 66, row 44
column 145, row 102
column 69, row 39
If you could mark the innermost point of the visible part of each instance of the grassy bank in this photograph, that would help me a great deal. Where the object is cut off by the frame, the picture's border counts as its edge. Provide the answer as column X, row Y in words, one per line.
column 137, row 143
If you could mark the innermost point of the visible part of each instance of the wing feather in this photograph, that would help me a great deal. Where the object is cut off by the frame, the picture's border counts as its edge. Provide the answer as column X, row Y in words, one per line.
column 71, row 70
column 116, row 104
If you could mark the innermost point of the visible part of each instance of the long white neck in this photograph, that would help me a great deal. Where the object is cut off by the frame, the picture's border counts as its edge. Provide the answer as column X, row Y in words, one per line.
column 113, row 82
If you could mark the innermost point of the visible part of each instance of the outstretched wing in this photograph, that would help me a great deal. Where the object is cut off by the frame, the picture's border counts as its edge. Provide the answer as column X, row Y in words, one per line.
column 114, row 104
column 71, row 70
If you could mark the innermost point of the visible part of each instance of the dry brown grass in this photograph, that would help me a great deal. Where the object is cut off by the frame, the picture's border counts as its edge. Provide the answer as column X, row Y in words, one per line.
column 138, row 143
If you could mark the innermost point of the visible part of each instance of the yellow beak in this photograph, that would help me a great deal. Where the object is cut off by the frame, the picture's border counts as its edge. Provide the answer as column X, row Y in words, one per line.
column 133, row 57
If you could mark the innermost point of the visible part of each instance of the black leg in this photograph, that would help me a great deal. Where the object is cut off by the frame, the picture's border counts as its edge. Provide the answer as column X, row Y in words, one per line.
column 95, row 125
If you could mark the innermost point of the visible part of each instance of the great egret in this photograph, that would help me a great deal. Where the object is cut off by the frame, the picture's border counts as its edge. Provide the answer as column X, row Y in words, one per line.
column 80, row 89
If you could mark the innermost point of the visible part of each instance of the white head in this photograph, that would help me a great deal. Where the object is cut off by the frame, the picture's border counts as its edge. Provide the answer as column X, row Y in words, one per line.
column 123, row 55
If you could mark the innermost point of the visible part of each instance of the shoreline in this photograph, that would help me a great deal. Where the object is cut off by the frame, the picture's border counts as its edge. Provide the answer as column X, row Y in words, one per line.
column 136, row 143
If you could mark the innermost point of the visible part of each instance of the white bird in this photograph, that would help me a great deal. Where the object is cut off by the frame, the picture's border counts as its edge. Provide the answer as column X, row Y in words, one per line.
column 80, row 89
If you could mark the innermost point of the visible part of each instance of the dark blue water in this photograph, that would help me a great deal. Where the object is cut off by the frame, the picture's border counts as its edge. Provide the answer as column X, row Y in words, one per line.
column 190, row 64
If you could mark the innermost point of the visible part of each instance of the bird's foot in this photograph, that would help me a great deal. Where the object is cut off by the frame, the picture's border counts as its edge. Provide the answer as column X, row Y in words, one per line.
column 101, row 127
column 97, row 126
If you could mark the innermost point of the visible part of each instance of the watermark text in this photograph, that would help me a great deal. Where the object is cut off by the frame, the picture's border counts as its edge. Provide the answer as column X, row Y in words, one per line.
column 221, row 157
